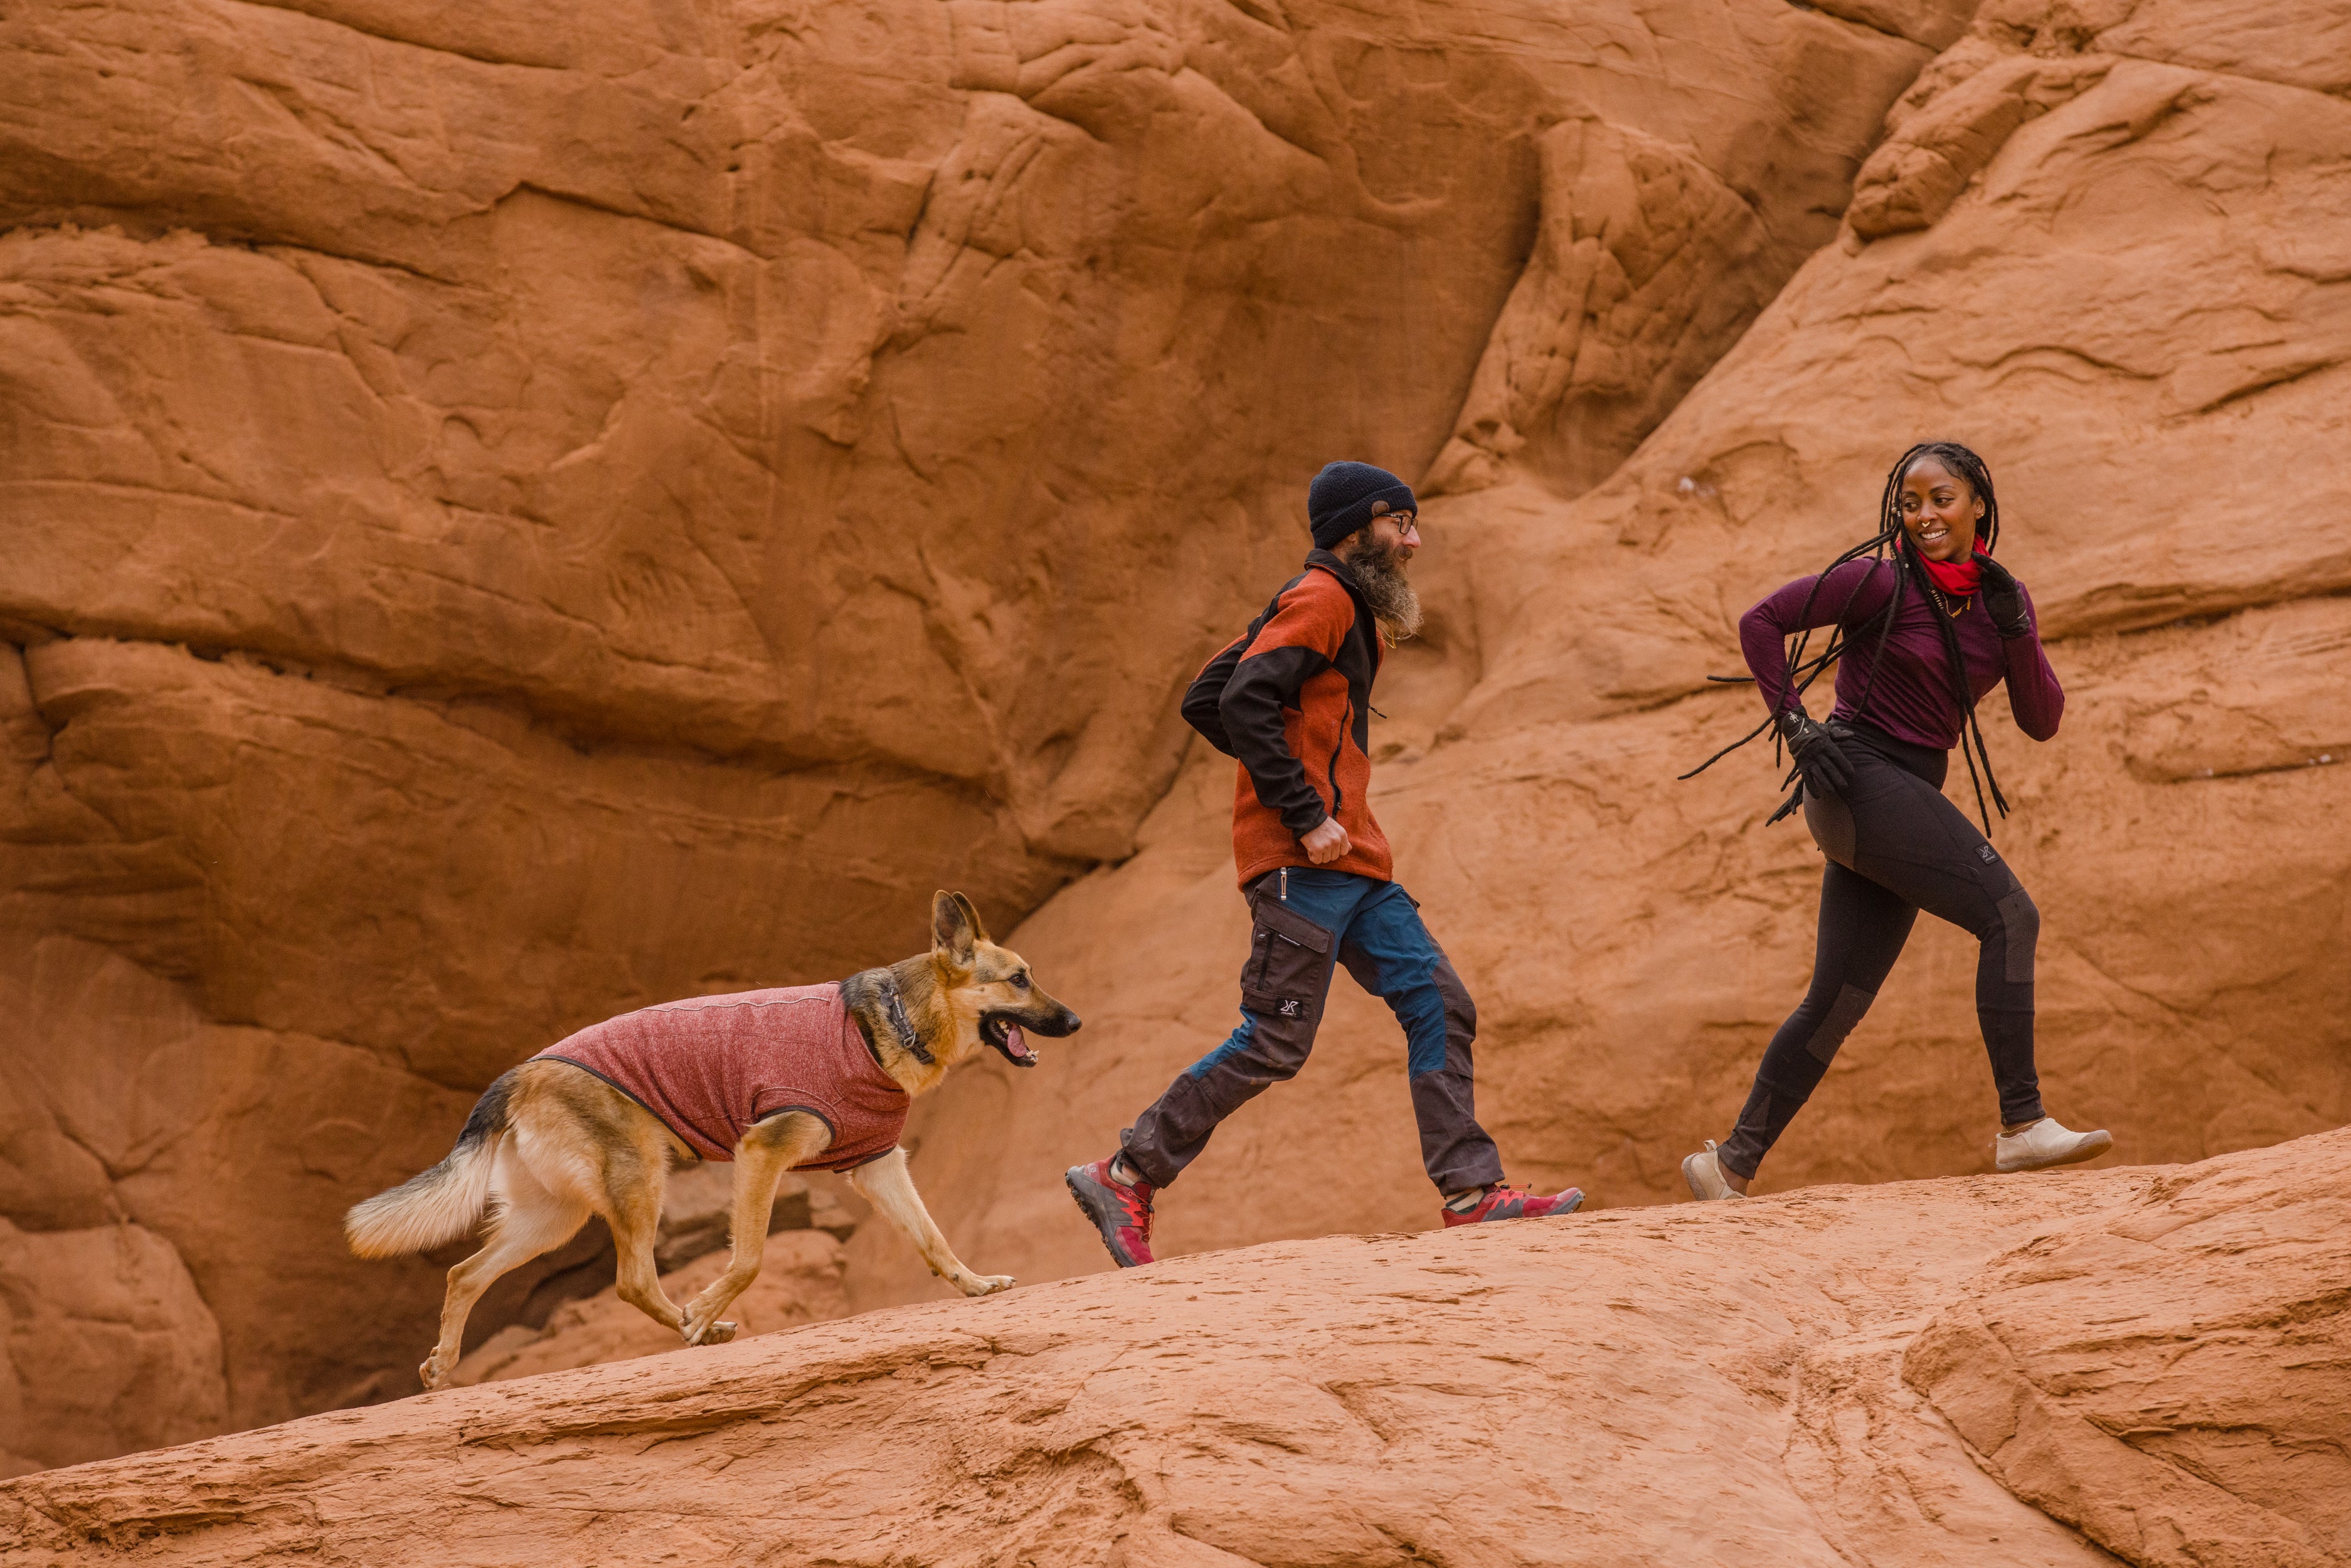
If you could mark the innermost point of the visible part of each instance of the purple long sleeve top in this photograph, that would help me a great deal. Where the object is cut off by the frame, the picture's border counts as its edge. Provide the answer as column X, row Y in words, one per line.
column 1911, row 698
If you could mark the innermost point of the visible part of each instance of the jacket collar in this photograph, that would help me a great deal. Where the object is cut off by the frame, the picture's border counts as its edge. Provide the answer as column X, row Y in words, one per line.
column 1370, row 623
column 1343, row 572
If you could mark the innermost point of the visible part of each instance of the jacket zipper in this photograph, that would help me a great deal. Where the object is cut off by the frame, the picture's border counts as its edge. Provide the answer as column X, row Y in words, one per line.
column 1339, row 796
column 1285, row 885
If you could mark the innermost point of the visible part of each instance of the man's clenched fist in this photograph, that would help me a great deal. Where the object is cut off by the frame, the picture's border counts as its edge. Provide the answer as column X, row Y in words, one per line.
column 1327, row 842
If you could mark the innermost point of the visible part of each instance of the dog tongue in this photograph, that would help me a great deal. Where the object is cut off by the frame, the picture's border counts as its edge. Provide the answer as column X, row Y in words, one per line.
column 1014, row 1043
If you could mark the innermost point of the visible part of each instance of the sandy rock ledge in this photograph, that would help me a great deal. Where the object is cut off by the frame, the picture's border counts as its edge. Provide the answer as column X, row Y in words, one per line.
column 2145, row 1365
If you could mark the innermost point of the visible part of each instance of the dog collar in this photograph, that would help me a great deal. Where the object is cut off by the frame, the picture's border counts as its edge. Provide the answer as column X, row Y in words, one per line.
column 904, row 1024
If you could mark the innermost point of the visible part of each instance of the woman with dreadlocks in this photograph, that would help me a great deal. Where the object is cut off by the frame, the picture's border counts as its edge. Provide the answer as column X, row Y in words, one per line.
column 1926, row 623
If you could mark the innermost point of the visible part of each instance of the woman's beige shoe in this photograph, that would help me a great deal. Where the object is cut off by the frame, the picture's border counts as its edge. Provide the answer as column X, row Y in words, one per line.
column 1703, row 1171
column 2043, row 1145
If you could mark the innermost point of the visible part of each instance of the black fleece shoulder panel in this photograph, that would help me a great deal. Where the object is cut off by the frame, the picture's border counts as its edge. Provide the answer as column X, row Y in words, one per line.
column 1261, row 687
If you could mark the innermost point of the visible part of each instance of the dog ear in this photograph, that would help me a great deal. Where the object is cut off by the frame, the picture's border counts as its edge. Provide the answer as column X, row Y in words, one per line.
column 978, row 928
column 954, row 930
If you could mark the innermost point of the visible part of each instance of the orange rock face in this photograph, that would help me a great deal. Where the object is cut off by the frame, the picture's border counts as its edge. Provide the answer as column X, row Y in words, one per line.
column 1632, row 942
column 2133, row 1366
column 509, row 519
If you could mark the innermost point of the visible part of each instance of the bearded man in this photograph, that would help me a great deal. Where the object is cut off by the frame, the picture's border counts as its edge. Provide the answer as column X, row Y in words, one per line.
column 1291, row 700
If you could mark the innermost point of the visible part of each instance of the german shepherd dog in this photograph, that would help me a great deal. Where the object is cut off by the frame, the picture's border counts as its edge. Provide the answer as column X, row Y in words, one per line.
column 551, row 1143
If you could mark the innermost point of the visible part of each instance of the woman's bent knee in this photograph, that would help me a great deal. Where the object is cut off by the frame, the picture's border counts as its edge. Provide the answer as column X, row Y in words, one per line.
column 2016, row 928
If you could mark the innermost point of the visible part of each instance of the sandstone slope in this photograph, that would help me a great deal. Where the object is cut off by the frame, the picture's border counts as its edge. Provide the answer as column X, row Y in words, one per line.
column 2143, row 1366
column 2110, row 247
column 512, row 515
column 800, row 1283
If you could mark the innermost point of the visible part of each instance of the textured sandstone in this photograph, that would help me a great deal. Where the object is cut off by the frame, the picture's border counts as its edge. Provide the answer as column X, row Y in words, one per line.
column 2170, row 1382
column 513, row 516
column 127, row 1355
column 510, row 517
column 801, row 1283
column 1811, row 1379
column 2141, row 310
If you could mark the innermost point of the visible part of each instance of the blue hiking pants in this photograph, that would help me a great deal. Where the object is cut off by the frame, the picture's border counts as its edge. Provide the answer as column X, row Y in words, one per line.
column 1304, row 922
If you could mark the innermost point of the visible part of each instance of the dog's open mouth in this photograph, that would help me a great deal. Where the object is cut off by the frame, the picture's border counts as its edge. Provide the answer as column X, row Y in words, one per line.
column 1006, row 1036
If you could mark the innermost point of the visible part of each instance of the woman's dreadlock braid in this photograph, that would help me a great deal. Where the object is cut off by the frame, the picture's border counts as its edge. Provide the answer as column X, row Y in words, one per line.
column 1892, row 545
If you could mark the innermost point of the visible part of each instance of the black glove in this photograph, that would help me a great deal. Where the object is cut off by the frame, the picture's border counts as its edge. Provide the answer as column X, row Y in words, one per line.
column 1819, row 757
column 2002, row 599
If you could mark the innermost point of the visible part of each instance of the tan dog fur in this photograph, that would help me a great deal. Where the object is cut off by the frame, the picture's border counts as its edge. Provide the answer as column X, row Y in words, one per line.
column 550, row 1144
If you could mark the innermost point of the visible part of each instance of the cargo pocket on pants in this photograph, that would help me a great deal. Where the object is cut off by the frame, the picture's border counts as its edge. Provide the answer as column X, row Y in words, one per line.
column 1288, row 957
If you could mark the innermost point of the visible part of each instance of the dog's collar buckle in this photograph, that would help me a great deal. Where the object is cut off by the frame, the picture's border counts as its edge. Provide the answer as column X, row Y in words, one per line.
column 899, row 1021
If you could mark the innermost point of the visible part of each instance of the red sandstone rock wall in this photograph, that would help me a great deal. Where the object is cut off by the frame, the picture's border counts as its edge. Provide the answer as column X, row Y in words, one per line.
column 2065, row 1370
column 512, row 517
column 508, row 517
column 2139, row 307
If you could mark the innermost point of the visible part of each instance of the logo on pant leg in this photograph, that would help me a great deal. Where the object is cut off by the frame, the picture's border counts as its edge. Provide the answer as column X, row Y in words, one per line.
column 1985, row 850
column 1290, row 1007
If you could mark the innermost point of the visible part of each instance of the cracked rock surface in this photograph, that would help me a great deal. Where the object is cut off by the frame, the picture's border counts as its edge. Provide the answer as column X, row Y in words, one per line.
column 2140, row 1366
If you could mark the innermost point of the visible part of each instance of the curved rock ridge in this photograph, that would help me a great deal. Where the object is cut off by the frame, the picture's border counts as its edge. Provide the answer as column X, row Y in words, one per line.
column 2138, row 1366
column 512, row 515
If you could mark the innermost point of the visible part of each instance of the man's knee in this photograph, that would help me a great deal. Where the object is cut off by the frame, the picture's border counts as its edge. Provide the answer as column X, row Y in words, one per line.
column 1266, row 1049
column 1281, row 1046
column 1460, row 1008
column 1440, row 1020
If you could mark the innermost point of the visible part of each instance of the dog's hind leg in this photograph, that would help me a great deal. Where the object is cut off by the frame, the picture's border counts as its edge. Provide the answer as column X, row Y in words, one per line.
column 531, row 1221
column 887, row 1185
column 770, row 1149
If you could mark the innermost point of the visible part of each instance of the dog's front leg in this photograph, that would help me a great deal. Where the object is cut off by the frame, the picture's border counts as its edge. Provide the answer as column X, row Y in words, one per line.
column 770, row 1149
column 887, row 1186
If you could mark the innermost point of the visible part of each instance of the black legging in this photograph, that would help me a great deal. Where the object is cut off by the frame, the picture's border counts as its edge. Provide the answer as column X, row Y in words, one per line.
column 1895, row 846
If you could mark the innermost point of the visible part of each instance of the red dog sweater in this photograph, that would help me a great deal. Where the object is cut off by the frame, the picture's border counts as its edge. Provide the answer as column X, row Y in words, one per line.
column 711, row 1066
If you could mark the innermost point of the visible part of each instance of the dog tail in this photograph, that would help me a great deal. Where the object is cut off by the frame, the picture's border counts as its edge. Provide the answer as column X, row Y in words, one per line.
column 434, row 1207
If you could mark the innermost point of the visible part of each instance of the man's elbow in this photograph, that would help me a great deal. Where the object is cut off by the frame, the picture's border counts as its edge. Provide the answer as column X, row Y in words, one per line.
column 1234, row 705
column 1204, row 711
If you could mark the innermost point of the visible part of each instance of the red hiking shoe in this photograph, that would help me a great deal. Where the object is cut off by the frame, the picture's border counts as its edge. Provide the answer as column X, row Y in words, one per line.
column 1122, row 1213
column 1515, row 1203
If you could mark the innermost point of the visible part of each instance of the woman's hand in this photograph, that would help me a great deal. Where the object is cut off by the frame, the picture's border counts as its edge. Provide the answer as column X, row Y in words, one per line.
column 1823, row 762
column 2002, row 599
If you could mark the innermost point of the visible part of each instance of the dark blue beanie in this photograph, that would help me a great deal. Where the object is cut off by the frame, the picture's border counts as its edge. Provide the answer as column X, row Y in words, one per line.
column 1340, row 500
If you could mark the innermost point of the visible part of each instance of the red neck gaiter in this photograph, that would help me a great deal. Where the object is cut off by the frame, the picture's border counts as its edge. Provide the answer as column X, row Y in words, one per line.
column 1958, row 579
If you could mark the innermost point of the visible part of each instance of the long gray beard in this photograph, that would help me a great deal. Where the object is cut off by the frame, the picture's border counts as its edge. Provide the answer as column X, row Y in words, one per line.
column 1394, row 603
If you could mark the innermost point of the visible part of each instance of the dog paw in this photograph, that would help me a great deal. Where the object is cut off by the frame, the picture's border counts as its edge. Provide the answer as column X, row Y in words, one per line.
column 433, row 1374
column 695, row 1330
column 984, row 1284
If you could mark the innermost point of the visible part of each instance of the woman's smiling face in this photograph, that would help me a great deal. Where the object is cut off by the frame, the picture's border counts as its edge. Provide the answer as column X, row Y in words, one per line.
column 1940, row 510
